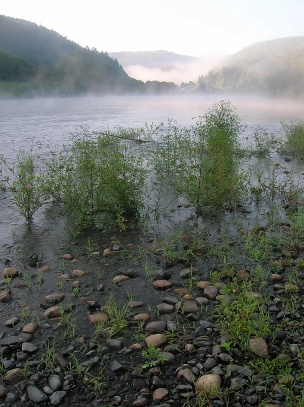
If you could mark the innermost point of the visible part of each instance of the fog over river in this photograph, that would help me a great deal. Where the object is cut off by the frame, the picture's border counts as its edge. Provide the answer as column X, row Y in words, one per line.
column 50, row 121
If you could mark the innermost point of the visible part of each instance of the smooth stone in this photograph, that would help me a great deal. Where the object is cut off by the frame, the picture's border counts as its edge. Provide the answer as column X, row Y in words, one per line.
column 156, row 340
column 45, row 269
column 68, row 256
column 156, row 326
column 78, row 273
column 162, row 284
column 207, row 383
column 142, row 317
column 189, row 307
column 259, row 347
column 210, row 292
column 165, row 308
column 97, row 318
column 202, row 285
column 30, row 327
column 160, row 394
column 55, row 382
column 135, row 304
column 170, row 299
column 55, row 298
column 36, row 395
column 57, row 397
column 11, row 272
column 120, row 279
column 53, row 312
column 107, row 252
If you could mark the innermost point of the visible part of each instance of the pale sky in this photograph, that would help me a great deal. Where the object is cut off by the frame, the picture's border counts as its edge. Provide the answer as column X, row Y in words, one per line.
column 189, row 27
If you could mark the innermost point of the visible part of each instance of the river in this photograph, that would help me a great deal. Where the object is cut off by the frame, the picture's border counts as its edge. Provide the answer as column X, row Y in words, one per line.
column 51, row 122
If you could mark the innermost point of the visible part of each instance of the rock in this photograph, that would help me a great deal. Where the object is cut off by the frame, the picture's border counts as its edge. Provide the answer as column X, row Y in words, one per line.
column 57, row 397
column 189, row 307
column 259, row 347
column 28, row 347
column 55, row 382
column 165, row 308
column 160, row 394
column 156, row 326
column 186, row 375
column 157, row 340
column 36, row 395
column 207, row 383
column 13, row 376
column 53, row 312
column 2, row 390
column 142, row 317
column 6, row 295
column 15, row 340
column 55, row 298
column 276, row 277
column 201, row 285
column 60, row 361
column 30, row 327
column 45, row 269
column 10, row 272
column 115, row 344
column 162, row 284
column 120, row 279
column 10, row 323
column 135, row 304
column 210, row 292
column 78, row 273
column 97, row 318
column 107, row 252
column 68, row 256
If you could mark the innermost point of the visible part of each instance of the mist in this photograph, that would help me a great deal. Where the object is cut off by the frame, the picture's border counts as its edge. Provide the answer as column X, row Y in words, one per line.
column 177, row 73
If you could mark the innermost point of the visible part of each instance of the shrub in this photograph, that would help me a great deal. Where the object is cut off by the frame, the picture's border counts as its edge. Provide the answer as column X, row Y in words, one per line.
column 98, row 179
column 200, row 162
column 294, row 133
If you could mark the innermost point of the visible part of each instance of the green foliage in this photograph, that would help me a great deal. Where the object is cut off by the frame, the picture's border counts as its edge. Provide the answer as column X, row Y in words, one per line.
column 294, row 133
column 200, row 163
column 98, row 178
column 153, row 357
column 244, row 317
column 25, row 183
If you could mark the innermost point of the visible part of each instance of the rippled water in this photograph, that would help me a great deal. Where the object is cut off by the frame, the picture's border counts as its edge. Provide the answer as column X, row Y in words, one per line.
column 51, row 121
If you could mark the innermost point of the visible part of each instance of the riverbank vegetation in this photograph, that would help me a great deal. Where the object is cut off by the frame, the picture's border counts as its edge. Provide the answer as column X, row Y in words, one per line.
column 223, row 212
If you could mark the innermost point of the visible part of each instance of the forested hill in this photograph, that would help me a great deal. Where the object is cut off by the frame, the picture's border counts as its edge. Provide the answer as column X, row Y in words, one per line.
column 274, row 67
column 36, row 60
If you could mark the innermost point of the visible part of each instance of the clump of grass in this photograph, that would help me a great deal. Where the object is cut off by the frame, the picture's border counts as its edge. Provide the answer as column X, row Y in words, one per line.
column 244, row 317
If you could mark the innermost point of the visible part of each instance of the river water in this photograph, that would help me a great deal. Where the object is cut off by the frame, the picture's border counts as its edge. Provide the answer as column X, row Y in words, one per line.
column 51, row 122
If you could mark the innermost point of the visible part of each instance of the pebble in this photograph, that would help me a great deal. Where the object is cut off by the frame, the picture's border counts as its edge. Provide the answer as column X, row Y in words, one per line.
column 157, row 340
column 36, row 395
column 162, row 284
column 207, row 383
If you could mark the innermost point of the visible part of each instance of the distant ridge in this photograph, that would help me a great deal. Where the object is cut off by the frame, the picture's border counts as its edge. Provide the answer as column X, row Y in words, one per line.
column 152, row 59
column 274, row 67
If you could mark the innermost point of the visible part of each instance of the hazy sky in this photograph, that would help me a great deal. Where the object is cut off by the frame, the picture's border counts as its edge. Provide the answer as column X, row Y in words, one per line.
column 190, row 27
